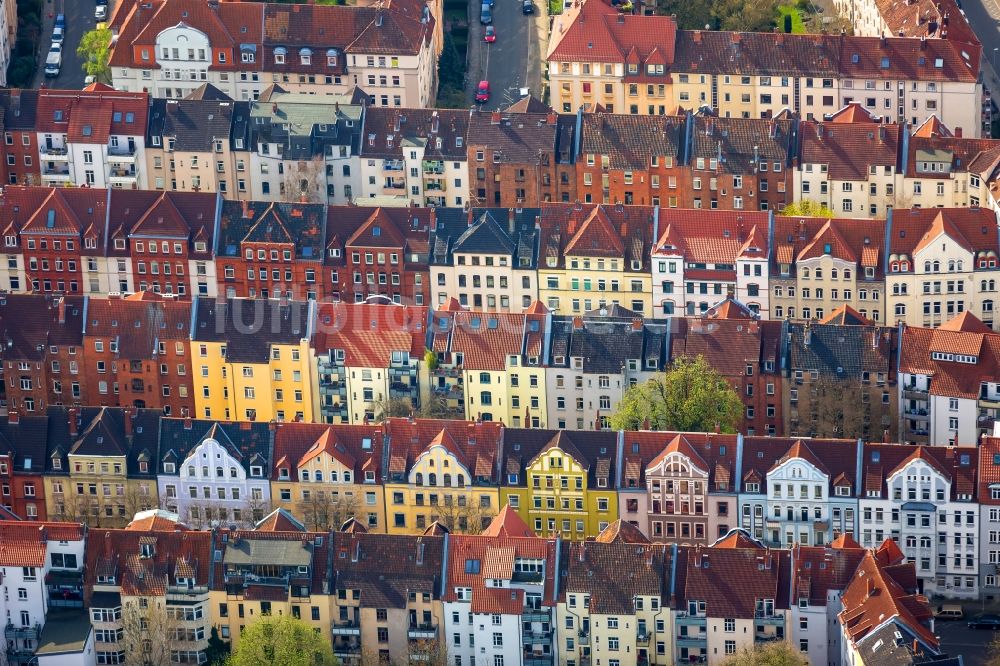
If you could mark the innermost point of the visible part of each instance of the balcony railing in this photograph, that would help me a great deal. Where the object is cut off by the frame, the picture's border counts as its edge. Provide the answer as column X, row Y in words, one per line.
column 422, row 631
column 29, row 633
column 346, row 628
column 53, row 151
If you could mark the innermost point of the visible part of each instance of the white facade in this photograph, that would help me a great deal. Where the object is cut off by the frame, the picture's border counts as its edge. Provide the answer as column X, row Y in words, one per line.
column 92, row 164
column 817, row 629
column 798, row 506
column 211, row 485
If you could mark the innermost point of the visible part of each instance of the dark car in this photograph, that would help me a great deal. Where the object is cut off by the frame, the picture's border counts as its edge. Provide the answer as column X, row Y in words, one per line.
column 527, row 7
column 985, row 622
column 483, row 92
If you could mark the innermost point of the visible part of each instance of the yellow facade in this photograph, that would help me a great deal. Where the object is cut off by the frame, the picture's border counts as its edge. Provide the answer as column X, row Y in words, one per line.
column 555, row 499
column 438, row 486
column 232, row 614
column 589, row 283
column 98, row 492
column 642, row 636
column 280, row 389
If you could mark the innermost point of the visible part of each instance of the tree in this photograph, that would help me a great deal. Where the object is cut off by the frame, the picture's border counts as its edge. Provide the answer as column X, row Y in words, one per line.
column 392, row 407
column 94, row 51
column 464, row 517
column 218, row 649
column 691, row 14
column 305, row 181
column 691, row 396
column 807, row 208
column 327, row 510
column 745, row 15
column 148, row 631
column 778, row 653
column 282, row 640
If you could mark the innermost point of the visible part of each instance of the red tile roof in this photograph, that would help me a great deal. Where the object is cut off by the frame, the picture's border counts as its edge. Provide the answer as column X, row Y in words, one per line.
column 738, row 538
column 361, row 444
column 386, row 568
column 712, row 237
column 933, row 19
column 139, row 323
column 974, row 229
column 472, row 560
column 280, row 520
column 950, row 378
column 731, row 580
column 849, row 149
column 92, row 116
column 175, row 553
column 369, row 333
column 156, row 520
column 590, row 562
column 853, row 113
column 819, row 570
column 561, row 223
column 621, row 531
column 22, row 543
column 486, row 339
column 845, row 315
column 716, row 451
column 988, row 470
column 508, row 523
column 594, row 31
column 728, row 345
column 477, row 442
column 837, row 458
column 860, row 241
column 958, row 464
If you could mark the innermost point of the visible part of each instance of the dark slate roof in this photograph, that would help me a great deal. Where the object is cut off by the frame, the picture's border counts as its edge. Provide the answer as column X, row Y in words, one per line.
column 250, row 326
column 741, row 142
column 247, row 442
column 606, row 344
column 892, row 651
column 596, row 451
column 101, row 431
column 843, row 352
column 301, row 224
column 630, row 141
column 386, row 568
column 19, row 108
column 30, row 322
column 25, row 442
column 520, row 138
column 614, row 574
column 193, row 123
column 442, row 131
column 485, row 230
column 484, row 236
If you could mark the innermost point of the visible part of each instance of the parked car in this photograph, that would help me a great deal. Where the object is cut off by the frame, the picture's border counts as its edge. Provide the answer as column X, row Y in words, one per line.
column 101, row 13
column 491, row 34
column 486, row 14
column 61, row 21
column 53, row 61
column 985, row 621
column 58, row 35
column 949, row 612
column 527, row 7
column 483, row 92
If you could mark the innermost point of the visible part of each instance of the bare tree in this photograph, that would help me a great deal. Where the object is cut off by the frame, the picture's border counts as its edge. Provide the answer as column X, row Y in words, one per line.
column 327, row 511
column 464, row 517
column 148, row 632
column 305, row 181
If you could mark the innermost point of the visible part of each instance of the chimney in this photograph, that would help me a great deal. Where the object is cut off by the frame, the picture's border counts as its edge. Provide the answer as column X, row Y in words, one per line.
column 583, row 551
column 577, row 323
column 188, row 423
column 469, row 218
column 274, row 107
column 807, row 336
column 13, row 417
column 336, row 107
column 495, row 118
column 881, row 134
column 272, row 425
column 621, row 18
column 637, row 324
column 696, row 36
column 62, row 310
column 552, row 118
column 435, row 122
column 736, row 37
column 958, row 132
column 511, row 221
column 71, row 421
column 127, row 415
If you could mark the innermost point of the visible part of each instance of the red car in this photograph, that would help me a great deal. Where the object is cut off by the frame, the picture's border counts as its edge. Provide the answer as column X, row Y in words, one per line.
column 491, row 34
column 483, row 92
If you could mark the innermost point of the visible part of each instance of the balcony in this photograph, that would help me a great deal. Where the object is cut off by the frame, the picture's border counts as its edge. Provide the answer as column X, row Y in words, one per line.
column 394, row 187
column 27, row 633
column 765, row 637
column 642, row 637
column 122, row 176
column 54, row 154
column 918, row 435
column 914, row 393
column 536, row 614
column 536, row 659
column 55, row 175
column 537, row 638
column 17, row 656
column 392, row 165
column 692, row 640
column 764, row 618
column 346, row 628
column 347, row 651
column 434, row 186
column 584, row 637
column 121, row 155
column 422, row 632
column 989, row 402
column 918, row 414
column 433, row 167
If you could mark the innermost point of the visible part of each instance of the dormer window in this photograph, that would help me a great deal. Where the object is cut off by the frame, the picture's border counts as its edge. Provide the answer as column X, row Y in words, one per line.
column 279, row 55
column 146, row 550
column 283, row 473
column 256, row 471
column 305, row 56
column 843, row 491
column 169, row 468
column 753, row 487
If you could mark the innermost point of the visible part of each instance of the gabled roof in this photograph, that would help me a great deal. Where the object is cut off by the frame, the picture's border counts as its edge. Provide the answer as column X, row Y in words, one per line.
column 508, row 524
column 249, row 338
column 621, row 531
column 29, row 323
column 625, row 571
column 680, row 444
column 738, row 538
column 485, row 236
column 820, row 570
column 477, row 442
column 918, row 347
column 369, row 334
column 630, row 141
column 731, row 580
column 849, row 149
column 279, row 520
column 156, row 519
column 965, row 323
column 593, row 31
column 932, row 128
column 387, row 568
column 357, row 447
column 853, row 113
column 845, row 315
column 248, row 443
column 802, row 451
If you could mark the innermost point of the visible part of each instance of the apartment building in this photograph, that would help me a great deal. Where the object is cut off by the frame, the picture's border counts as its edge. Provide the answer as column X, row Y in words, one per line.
column 987, row 491
column 137, row 353
column 467, row 242
column 42, row 351
column 20, row 107
column 532, row 150
column 153, row 573
column 414, row 157
column 743, row 350
column 212, row 473
column 388, row 597
column 93, row 138
column 561, row 484
column 818, row 265
column 328, row 476
column 839, row 380
column 368, row 358
column 942, row 170
column 942, row 263
column 252, row 359
column 241, row 50
column 947, row 388
column 22, row 455
column 199, row 143
column 926, row 495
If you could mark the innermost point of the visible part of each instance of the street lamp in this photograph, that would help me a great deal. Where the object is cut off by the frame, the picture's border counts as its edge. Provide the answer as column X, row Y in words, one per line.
column 994, row 60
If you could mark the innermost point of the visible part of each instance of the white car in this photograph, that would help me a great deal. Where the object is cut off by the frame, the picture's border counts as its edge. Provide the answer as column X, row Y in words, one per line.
column 101, row 13
column 57, row 35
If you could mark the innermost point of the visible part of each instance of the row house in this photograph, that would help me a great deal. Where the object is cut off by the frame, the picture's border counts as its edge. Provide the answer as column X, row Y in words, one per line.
column 441, row 471
column 922, row 498
column 818, row 265
column 755, row 75
column 464, row 243
column 850, row 163
column 561, row 483
column 199, row 143
column 499, row 597
column 170, row 47
column 368, row 360
column 23, row 440
column 212, row 473
column 99, row 464
column 43, row 351
column 147, row 590
column 629, row 619
column 276, row 568
column 988, row 497
column 19, row 117
column 253, row 359
column 326, row 476
column 840, row 378
column 414, row 157
column 697, row 265
column 947, row 391
column 798, row 491
column 716, row 616
column 595, row 251
column 137, row 353
column 920, row 18
column 944, row 170
column 745, row 352
column 92, row 138
column 594, row 359
column 271, row 250
column 299, row 150
column 386, row 594
column 43, row 590
column 519, row 159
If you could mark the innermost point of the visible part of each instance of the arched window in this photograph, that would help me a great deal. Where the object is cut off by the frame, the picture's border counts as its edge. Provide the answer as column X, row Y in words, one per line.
column 805, row 273
column 833, row 273
column 927, row 267
column 447, row 479
column 318, row 474
column 461, row 480
column 219, row 473
column 305, row 475
column 432, row 479
column 420, row 479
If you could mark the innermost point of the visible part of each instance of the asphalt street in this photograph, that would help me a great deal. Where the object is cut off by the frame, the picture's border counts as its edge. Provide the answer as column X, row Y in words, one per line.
column 984, row 17
column 514, row 60
column 957, row 638
column 79, row 19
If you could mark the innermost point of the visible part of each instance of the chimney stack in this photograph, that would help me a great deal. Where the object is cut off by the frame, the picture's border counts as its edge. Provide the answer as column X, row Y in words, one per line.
column 188, row 423
column 62, row 310
column 71, row 421
column 552, row 118
column 127, row 415
column 13, row 417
